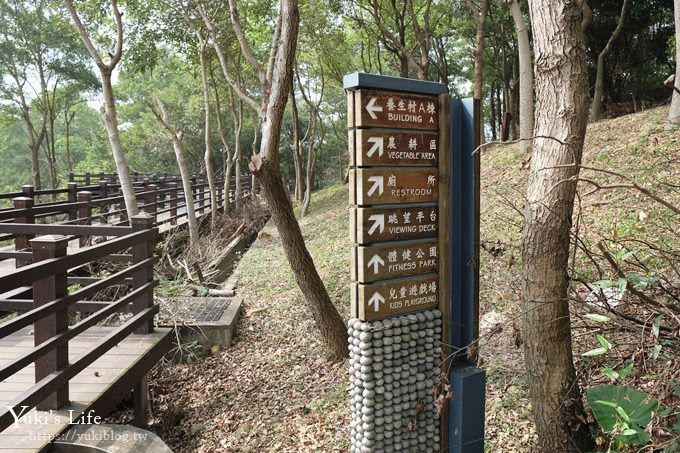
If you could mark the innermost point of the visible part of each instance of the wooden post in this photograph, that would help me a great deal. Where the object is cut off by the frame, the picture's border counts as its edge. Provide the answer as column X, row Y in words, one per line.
column 84, row 214
column 140, row 402
column 173, row 203
column 161, row 197
column 72, row 198
column 150, row 198
column 140, row 252
column 103, row 193
column 71, row 177
column 21, row 240
column 45, row 291
column 28, row 191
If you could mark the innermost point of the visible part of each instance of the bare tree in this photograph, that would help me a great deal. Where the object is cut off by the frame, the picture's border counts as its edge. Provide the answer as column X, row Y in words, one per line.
column 161, row 114
column 275, row 78
column 109, row 108
column 526, row 78
column 561, row 118
column 596, row 106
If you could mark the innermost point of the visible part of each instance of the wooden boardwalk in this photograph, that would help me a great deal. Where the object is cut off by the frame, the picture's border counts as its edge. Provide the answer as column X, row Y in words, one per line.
column 98, row 388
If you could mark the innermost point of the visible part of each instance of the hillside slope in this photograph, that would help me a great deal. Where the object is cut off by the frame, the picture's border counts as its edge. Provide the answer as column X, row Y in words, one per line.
column 274, row 391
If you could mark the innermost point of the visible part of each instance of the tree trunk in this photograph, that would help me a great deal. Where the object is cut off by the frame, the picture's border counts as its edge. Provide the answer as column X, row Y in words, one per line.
column 326, row 316
column 186, row 186
column 111, row 123
column 297, row 146
column 208, row 157
column 599, row 77
column 184, row 173
column 238, row 189
column 674, row 112
column 493, row 111
column 309, row 181
column 68, row 118
column 479, row 58
column 526, row 78
column 562, row 114
column 227, row 186
column 266, row 167
column 514, row 97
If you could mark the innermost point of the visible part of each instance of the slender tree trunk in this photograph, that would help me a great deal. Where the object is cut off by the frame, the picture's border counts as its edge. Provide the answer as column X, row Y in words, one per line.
column 309, row 180
column 238, row 190
column 599, row 77
column 562, row 114
column 266, row 167
column 184, row 173
column 674, row 112
column 208, row 157
column 111, row 123
column 297, row 146
column 493, row 111
column 514, row 97
column 227, row 186
column 186, row 186
column 479, row 57
column 68, row 118
column 526, row 77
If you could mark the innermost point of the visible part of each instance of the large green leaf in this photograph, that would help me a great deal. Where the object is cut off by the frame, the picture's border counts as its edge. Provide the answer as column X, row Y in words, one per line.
column 611, row 402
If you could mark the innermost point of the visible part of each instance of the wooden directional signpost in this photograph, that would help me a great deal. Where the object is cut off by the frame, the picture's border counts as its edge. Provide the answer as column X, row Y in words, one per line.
column 395, row 140
column 414, row 229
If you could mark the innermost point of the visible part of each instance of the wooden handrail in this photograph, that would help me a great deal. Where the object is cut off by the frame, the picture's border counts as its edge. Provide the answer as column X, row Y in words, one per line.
column 36, row 271
column 28, row 318
column 40, row 390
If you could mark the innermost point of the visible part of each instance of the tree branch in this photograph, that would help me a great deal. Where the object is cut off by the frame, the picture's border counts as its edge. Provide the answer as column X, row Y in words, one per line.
column 245, row 46
column 225, row 69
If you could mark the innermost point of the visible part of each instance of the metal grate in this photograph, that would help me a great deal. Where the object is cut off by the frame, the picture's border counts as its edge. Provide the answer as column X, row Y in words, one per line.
column 209, row 310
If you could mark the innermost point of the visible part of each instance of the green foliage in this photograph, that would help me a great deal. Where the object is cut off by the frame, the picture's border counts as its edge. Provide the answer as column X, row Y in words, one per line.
column 603, row 349
column 622, row 412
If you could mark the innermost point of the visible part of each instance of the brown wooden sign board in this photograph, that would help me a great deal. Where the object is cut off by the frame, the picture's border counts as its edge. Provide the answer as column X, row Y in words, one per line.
column 394, row 297
column 383, row 147
column 393, row 224
column 392, row 185
column 369, row 108
column 396, row 259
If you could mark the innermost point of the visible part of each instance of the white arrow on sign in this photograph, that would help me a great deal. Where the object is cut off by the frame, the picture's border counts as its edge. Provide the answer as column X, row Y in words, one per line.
column 378, row 223
column 377, row 146
column 375, row 300
column 371, row 108
column 378, row 184
column 376, row 262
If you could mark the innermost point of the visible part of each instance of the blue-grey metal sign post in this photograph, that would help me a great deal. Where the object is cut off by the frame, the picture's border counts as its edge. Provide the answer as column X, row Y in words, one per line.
column 466, row 408
column 462, row 429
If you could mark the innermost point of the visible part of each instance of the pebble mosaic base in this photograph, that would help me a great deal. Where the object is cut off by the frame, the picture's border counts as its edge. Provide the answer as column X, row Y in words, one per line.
column 393, row 369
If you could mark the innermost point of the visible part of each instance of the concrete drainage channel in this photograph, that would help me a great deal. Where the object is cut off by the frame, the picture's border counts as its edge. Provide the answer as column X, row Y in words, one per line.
column 210, row 321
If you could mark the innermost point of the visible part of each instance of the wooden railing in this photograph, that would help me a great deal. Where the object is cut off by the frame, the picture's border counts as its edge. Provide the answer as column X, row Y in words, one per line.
column 104, row 204
column 46, row 283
